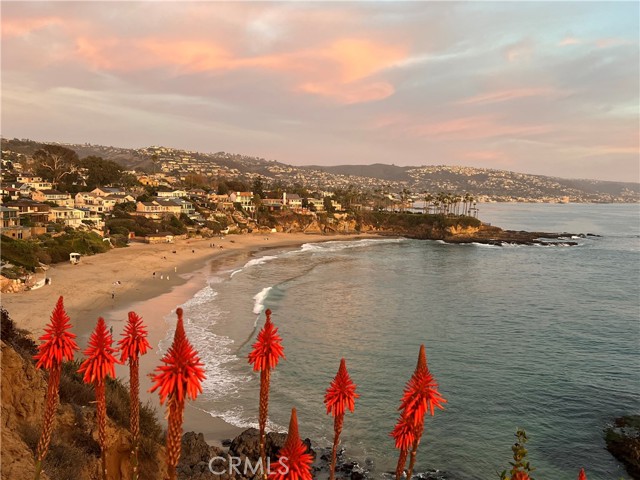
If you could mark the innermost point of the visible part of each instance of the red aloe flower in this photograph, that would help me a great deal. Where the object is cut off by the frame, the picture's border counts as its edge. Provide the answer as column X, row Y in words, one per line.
column 294, row 455
column 342, row 392
column 582, row 475
column 134, row 339
column 420, row 395
column 520, row 475
column 133, row 344
column 264, row 356
column 99, row 364
column 404, row 435
column 58, row 344
column 182, row 374
column 267, row 350
column 180, row 377
column 340, row 395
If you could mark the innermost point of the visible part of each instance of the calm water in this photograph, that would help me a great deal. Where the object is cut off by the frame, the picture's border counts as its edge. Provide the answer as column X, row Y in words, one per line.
column 544, row 338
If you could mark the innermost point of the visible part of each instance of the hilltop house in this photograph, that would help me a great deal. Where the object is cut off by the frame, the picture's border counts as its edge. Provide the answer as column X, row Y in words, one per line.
column 101, row 201
column 157, row 209
column 165, row 192
column 37, row 183
column 59, row 198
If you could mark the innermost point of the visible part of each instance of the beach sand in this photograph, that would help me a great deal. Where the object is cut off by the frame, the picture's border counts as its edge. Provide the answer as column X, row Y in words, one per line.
column 111, row 284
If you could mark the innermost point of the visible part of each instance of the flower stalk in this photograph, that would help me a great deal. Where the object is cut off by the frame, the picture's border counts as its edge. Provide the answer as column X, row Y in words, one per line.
column 132, row 345
column 180, row 377
column 97, row 366
column 264, row 356
column 420, row 396
column 57, row 345
column 339, row 397
column 294, row 460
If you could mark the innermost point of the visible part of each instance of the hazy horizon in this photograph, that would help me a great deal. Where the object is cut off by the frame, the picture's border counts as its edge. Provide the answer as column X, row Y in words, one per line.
column 539, row 88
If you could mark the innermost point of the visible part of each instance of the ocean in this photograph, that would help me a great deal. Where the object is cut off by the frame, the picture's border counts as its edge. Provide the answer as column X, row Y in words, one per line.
column 542, row 338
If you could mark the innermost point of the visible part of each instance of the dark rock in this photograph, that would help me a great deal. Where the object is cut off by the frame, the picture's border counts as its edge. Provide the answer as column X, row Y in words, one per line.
column 248, row 443
column 623, row 442
column 195, row 456
column 226, row 442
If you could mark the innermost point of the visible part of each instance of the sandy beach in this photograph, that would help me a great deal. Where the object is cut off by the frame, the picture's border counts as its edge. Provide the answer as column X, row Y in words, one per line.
column 111, row 284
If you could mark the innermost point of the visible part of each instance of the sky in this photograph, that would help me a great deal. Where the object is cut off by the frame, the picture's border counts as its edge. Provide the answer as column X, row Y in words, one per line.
column 544, row 88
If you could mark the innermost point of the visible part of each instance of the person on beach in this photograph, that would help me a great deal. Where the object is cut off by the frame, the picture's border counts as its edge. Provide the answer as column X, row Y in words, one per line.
column 161, row 277
column 175, row 269
column 154, row 275
column 113, row 295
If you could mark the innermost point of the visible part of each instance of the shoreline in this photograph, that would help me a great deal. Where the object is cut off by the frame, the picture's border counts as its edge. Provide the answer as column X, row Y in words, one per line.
column 87, row 290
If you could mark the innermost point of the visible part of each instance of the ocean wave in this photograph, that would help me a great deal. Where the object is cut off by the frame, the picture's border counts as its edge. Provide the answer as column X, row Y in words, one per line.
column 253, row 262
column 477, row 244
column 259, row 298
column 337, row 245
column 206, row 295
column 236, row 416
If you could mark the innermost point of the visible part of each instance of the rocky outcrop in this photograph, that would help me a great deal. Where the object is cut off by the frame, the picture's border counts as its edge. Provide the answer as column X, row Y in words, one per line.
column 623, row 442
column 74, row 451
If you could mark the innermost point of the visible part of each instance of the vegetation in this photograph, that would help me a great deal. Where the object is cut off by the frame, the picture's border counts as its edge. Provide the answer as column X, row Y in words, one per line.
column 49, row 249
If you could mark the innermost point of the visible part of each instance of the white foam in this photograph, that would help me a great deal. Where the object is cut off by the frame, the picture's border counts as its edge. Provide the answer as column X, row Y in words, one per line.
column 253, row 262
column 236, row 416
column 259, row 298
column 337, row 245
column 485, row 245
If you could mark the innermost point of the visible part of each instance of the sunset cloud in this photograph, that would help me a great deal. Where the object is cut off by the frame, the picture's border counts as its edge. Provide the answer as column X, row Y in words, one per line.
column 445, row 82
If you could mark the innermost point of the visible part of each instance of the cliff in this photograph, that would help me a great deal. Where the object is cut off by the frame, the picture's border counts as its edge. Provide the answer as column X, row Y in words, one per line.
column 74, row 451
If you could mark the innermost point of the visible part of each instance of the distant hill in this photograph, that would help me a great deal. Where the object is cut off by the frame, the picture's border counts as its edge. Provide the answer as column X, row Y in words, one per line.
column 377, row 170
column 487, row 184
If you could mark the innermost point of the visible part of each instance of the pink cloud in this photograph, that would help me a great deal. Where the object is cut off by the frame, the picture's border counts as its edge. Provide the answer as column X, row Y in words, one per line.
column 18, row 27
column 350, row 93
column 611, row 42
column 519, row 51
column 570, row 41
column 510, row 94
column 475, row 127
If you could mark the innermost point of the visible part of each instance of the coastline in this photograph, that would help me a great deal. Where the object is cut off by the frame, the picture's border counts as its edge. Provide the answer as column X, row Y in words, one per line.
column 87, row 290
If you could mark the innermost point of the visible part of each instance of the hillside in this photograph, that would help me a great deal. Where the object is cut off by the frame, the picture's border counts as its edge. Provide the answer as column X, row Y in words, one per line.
column 485, row 184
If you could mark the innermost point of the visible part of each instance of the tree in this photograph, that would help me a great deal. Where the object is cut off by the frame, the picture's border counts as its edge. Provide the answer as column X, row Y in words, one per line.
column 258, row 187
column 328, row 206
column 101, row 172
column 55, row 162
column 128, row 180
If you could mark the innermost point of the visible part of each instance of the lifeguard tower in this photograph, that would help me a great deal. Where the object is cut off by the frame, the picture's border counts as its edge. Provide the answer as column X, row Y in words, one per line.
column 74, row 258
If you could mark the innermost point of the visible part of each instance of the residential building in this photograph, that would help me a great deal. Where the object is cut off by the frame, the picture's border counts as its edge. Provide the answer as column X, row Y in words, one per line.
column 59, row 198
column 69, row 217
column 157, row 209
column 245, row 199
column 11, row 224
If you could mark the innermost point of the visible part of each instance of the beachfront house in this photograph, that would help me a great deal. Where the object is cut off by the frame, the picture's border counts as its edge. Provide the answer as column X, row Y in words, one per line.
column 157, row 209
column 292, row 200
column 35, row 213
column 69, row 217
column 11, row 224
column 245, row 199
column 315, row 204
